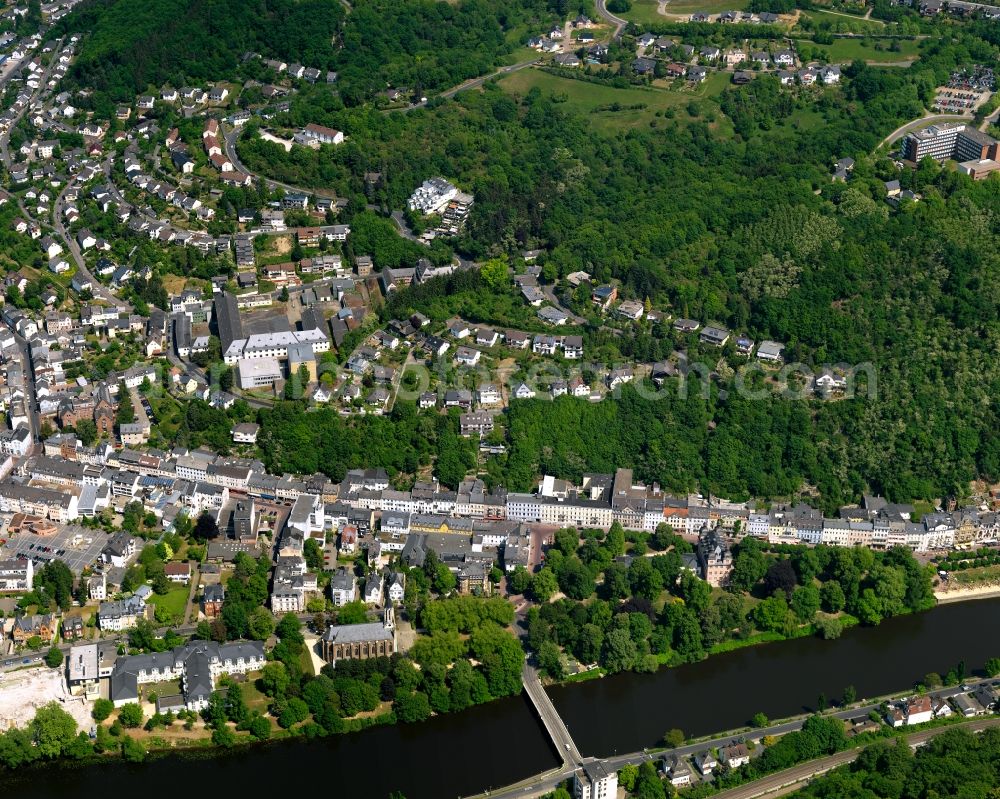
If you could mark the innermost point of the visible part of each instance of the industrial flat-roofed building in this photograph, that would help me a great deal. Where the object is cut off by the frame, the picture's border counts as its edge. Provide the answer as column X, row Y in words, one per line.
column 88, row 664
column 275, row 345
column 956, row 141
column 258, row 372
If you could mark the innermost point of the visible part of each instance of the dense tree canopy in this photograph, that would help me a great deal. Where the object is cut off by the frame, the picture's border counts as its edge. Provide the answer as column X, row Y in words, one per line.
column 955, row 763
column 723, row 230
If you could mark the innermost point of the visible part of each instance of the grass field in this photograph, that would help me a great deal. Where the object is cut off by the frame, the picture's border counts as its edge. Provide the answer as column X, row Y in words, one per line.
column 169, row 415
column 645, row 12
column 857, row 24
column 984, row 574
column 306, row 661
column 846, row 50
column 704, row 6
column 598, row 102
column 521, row 54
column 804, row 119
column 173, row 602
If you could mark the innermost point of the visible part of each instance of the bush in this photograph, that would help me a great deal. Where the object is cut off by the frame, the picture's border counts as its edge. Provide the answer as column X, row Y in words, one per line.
column 260, row 728
column 102, row 709
column 223, row 736
column 130, row 715
column 673, row 738
column 830, row 629
column 412, row 707
column 132, row 750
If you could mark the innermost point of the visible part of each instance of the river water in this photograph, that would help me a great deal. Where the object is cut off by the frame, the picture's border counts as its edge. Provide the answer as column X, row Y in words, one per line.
column 633, row 711
column 502, row 742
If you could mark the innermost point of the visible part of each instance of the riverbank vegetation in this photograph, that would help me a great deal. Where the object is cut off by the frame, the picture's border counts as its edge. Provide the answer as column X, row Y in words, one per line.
column 465, row 655
column 636, row 611
column 955, row 763
column 819, row 737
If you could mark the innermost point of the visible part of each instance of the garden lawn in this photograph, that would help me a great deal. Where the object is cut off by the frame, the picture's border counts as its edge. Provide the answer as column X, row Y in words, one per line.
column 174, row 601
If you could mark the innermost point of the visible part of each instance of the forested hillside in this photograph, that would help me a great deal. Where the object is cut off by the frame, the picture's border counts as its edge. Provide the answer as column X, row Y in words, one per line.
column 135, row 44
column 956, row 764
column 419, row 45
column 721, row 209
column 747, row 231
column 423, row 46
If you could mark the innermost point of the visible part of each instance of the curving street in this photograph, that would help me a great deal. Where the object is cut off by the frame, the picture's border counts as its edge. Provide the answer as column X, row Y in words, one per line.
column 5, row 137
column 99, row 290
column 229, row 143
column 619, row 23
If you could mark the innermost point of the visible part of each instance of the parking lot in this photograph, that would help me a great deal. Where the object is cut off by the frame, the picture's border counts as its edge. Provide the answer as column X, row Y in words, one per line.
column 959, row 101
column 77, row 546
column 977, row 78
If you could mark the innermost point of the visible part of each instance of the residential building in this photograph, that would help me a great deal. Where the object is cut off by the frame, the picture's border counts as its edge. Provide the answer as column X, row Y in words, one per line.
column 16, row 575
column 716, row 336
column 343, row 587
column 432, row 196
column 677, row 771
column 212, row 600
column 121, row 615
column 734, row 756
column 714, row 558
column 595, row 781
column 197, row 665
column 38, row 625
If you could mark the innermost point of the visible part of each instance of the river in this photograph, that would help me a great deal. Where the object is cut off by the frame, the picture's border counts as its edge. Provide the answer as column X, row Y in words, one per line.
column 633, row 711
column 502, row 742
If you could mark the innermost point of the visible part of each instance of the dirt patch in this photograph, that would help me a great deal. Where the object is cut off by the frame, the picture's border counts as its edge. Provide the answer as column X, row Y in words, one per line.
column 23, row 692
column 174, row 284
column 286, row 143
column 405, row 635
column 313, row 648
column 383, row 708
column 277, row 245
column 174, row 733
